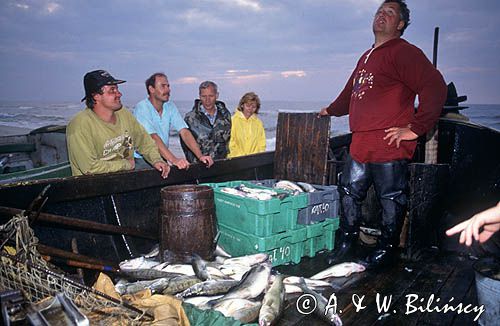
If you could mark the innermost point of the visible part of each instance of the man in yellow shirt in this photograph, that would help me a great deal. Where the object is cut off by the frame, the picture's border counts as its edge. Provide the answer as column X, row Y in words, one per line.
column 102, row 138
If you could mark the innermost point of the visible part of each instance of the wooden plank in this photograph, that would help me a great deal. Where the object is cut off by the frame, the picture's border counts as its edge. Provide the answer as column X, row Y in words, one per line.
column 302, row 142
column 441, row 275
column 429, row 281
column 388, row 286
column 456, row 287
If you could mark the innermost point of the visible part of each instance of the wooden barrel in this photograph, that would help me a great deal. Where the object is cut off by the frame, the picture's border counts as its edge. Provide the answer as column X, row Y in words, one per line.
column 187, row 220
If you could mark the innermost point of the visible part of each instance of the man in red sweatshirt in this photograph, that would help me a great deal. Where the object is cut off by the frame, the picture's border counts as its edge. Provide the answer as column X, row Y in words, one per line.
column 379, row 98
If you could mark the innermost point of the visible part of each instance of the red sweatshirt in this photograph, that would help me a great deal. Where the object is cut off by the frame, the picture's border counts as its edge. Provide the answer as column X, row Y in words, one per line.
column 380, row 94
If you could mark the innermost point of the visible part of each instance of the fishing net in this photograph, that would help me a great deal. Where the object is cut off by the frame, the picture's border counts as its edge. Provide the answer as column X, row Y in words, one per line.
column 27, row 271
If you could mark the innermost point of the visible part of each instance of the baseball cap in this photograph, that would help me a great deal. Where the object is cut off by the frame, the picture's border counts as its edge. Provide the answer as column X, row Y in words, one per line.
column 94, row 80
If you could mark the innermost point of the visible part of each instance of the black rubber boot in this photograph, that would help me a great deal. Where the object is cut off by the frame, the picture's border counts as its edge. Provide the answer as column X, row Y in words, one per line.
column 354, row 183
column 382, row 256
column 390, row 181
column 345, row 250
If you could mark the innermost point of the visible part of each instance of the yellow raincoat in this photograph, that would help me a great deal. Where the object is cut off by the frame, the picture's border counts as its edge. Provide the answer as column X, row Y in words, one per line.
column 247, row 135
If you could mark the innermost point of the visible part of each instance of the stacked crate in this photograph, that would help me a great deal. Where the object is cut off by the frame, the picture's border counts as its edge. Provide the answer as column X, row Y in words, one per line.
column 275, row 226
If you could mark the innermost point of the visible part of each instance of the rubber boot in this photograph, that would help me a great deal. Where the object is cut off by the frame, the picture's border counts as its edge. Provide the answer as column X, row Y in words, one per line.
column 354, row 183
column 390, row 181
column 345, row 250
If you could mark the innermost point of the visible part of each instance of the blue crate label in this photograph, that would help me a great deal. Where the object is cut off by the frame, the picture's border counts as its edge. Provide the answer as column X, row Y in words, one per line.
column 320, row 209
column 280, row 254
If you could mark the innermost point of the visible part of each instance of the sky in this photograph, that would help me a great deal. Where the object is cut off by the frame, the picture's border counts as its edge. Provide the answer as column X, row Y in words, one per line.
column 282, row 50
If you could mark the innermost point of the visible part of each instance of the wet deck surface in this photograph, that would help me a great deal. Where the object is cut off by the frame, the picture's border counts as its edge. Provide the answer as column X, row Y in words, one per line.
column 445, row 276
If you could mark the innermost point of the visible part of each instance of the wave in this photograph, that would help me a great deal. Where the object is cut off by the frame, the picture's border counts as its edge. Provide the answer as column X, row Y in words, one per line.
column 30, row 117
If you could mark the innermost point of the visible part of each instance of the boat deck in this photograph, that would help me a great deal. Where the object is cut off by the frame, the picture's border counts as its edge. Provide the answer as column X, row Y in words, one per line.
column 445, row 276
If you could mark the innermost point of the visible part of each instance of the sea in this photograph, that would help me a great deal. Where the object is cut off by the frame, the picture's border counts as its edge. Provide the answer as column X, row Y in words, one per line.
column 31, row 115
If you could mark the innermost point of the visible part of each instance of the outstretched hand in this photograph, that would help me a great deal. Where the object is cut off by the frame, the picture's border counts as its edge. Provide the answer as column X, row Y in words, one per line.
column 396, row 134
column 489, row 220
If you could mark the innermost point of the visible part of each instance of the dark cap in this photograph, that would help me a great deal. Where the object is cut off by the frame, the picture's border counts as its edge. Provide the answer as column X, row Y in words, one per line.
column 94, row 80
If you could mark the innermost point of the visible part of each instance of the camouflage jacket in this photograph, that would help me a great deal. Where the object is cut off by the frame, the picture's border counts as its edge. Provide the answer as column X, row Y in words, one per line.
column 212, row 139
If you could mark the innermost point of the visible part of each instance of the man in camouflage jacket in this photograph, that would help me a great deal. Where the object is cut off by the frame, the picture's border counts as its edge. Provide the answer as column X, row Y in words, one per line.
column 210, row 123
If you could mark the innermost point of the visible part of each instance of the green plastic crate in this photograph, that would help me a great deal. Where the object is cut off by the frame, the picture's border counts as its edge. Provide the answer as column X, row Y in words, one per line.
column 282, row 248
column 320, row 236
column 253, row 216
column 321, row 204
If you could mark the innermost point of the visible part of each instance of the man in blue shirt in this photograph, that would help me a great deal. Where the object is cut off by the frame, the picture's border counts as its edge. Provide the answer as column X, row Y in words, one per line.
column 157, row 114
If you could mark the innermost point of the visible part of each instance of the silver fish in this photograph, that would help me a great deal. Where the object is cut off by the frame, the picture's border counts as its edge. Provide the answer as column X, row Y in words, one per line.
column 288, row 185
column 154, row 252
column 321, row 310
column 211, row 287
column 146, row 274
column 201, row 301
column 156, row 286
column 233, row 191
column 125, row 287
column 180, row 283
column 248, row 260
column 339, row 270
column 243, row 310
column 257, row 190
column 200, row 268
column 219, row 251
column 138, row 263
column 309, row 282
column 186, row 269
column 252, row 285
column 292, row 281
column 273, row 303
column 306, row 186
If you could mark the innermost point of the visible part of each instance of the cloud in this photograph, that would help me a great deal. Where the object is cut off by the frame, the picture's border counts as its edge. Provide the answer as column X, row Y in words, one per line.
column 461, row 36
column 246, row 4
column 42, row 7
column 22, row 6
column 40, row 53
column 293, row 73
column 52, row 7
column 235, row 71
column 196, row 17
column 186, row 80
column 242, row 78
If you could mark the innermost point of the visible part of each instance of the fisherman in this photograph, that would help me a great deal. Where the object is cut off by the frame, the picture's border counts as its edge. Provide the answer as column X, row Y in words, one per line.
column 102, row 138
column 379, row 98
column 210, row 123
column 157, row 113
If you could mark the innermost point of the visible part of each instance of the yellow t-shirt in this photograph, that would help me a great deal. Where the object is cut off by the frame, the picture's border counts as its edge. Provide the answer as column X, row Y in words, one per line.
column 247, row 135
column 95, row 146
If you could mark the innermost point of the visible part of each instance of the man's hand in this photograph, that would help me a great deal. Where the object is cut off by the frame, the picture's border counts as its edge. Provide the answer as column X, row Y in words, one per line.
column 399, row 134
column 132, row 163
column 181, row 163
column 207, row 160
column 163, row 167
column 479, row 227
column 323, row 112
